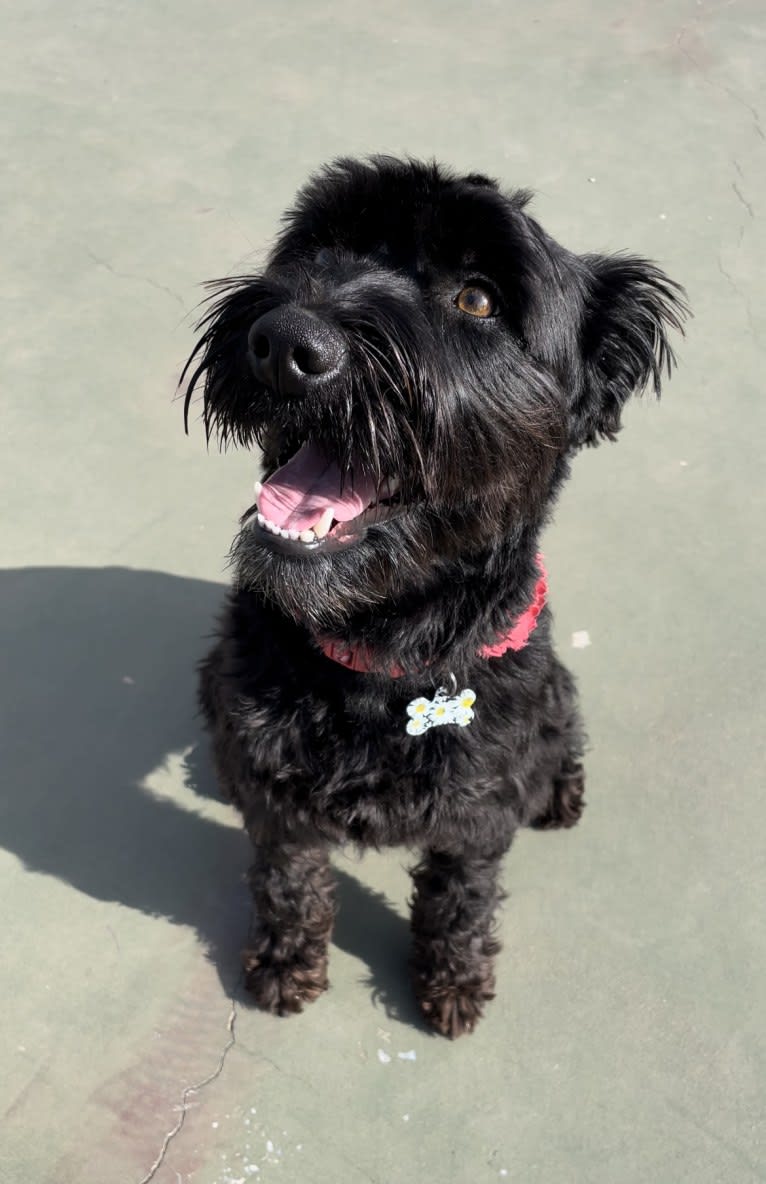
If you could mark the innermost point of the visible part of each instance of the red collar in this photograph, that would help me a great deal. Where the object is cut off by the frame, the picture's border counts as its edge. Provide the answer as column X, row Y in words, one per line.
column 362, row 660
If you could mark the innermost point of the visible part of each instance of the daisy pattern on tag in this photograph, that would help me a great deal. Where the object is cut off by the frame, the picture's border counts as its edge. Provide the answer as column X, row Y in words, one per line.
column 442, row 709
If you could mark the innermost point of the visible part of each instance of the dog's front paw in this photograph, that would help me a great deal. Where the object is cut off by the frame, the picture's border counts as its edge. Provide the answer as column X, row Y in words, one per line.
column 283, row 987
column 567, row 802
column 454, row 1006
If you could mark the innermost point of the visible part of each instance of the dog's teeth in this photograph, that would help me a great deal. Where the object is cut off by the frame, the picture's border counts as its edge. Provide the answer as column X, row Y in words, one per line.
column 258, row 487
column 307, row 536
column 323, row 525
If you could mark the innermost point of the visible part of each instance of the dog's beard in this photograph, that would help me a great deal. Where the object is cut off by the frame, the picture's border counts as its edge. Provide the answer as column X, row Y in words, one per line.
column 426, row 545
column 389, row 561
column 414, row 596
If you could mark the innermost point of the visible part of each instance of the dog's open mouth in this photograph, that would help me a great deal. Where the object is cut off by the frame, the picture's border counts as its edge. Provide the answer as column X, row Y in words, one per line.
column 309, row 505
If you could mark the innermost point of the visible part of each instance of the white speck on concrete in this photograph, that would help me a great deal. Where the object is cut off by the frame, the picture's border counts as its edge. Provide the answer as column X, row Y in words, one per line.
column 592, row 180
column 298, row 1146
column 405, row 1118
column 252, row 1109
column 408, row 1056
column 684, row 464
column 503, row 1171
column 214, row 1125
column 581, row 639
column 663, row 217
column 269, row 1145
column 383, row 1057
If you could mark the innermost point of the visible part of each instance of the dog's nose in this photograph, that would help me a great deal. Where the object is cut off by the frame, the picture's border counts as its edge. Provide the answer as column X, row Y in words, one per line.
column 294, row 351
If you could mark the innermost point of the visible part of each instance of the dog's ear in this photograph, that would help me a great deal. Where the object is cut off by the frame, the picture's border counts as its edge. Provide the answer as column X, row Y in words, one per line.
column 630, row 308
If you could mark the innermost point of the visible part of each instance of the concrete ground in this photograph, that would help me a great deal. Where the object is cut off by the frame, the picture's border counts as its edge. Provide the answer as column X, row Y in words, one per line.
column 150, row 146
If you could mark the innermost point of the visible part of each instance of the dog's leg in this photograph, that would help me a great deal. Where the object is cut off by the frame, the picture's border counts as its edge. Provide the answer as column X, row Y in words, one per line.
column 454, row 944
column 566, row 802
column 286, row 959
column 560, row 746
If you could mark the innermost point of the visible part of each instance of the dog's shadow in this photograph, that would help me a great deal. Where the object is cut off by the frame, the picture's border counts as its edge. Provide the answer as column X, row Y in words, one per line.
column 98, row 700
column 368, row 927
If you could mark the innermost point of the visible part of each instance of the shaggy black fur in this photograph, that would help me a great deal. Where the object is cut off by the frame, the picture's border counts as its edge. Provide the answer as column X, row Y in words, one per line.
column 420, row 326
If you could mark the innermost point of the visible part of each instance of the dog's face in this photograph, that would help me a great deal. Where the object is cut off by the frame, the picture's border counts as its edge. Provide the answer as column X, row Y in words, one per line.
column 417, row 361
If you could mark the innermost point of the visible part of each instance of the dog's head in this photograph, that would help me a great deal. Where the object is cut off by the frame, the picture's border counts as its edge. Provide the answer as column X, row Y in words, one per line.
column 417, row 360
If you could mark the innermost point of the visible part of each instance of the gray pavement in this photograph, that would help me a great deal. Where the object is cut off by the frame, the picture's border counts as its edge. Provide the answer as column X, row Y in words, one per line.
column 148, row 147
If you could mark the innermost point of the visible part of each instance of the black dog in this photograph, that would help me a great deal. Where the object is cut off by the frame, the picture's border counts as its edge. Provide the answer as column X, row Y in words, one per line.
column 419, row 361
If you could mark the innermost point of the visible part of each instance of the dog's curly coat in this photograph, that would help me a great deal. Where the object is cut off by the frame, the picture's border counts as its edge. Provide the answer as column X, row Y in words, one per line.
column 421, row 341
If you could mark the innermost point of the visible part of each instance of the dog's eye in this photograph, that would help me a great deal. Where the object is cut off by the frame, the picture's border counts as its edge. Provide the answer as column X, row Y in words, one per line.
column 476, row 301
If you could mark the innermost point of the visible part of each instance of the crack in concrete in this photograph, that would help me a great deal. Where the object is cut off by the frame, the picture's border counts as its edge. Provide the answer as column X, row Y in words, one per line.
column 193, row 1089
column 284, row 1072
column 743, row 199
column 720, row 86
column 750, row 209
column 127, row 275
column 735, row 287
column 739, row 193
column 728, row 276
column 753, row 111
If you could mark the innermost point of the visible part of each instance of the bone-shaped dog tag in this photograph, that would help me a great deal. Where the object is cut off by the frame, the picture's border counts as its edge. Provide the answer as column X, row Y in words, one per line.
column 442, row 709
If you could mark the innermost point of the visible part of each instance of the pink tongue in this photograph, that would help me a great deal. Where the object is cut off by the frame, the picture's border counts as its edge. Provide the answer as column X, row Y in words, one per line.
column 295, row 496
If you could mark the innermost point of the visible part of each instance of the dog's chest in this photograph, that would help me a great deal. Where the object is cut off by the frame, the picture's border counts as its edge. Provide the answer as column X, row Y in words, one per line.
column 348, row 765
